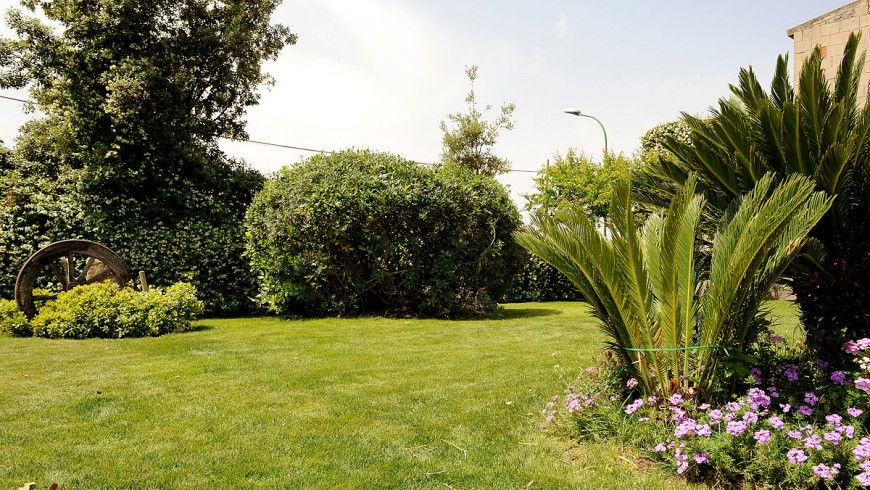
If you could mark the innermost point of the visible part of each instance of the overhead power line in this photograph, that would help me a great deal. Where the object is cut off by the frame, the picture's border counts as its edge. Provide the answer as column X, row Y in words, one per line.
column 291, row 147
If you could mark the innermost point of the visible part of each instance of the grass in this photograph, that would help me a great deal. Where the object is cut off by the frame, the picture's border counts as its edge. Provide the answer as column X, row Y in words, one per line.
column 331, row 403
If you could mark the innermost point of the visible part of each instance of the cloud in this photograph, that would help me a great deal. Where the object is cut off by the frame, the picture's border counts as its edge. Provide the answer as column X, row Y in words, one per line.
column 562, row 25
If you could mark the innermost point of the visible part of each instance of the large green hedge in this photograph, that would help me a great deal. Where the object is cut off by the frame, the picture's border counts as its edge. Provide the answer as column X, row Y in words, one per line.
column 361, row 231
column 199, row 240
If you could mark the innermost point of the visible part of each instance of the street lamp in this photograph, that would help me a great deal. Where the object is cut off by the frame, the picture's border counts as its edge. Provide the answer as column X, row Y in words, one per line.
column 576, row 112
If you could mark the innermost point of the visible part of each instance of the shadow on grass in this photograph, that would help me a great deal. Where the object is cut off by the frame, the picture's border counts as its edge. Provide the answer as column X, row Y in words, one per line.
column 200, row 328
column 515, row 313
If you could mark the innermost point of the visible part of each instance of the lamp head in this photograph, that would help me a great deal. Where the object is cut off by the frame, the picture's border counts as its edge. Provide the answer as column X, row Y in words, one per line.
column 573, row 111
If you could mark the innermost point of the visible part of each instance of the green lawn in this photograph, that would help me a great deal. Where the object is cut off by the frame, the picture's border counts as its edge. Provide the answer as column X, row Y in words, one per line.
column 332, row 403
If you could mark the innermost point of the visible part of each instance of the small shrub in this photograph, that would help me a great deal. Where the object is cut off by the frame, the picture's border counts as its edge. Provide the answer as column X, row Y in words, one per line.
column 540, row 281
column 12, row 321
column 104, row 310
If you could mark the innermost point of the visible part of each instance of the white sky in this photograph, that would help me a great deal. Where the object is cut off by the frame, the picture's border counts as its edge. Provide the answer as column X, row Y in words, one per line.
column 382, row 74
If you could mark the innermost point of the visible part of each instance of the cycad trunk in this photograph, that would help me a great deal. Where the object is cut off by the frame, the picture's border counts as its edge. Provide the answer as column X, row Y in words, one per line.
column 835, row 308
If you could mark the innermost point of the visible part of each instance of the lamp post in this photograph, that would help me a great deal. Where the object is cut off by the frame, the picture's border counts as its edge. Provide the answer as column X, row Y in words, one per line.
column 576, row 112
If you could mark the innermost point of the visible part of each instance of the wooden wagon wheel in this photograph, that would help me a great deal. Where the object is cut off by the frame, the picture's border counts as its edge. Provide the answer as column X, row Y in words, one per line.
column 71, row 263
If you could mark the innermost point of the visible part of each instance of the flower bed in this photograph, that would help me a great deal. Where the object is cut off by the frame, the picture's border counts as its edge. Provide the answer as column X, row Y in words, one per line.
column 799, row 424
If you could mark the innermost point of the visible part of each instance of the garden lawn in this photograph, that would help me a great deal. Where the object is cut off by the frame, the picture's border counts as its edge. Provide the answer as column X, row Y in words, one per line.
column 331, row 403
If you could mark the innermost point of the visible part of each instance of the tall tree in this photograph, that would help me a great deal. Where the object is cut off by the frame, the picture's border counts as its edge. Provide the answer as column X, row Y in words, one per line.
column 469, row 144
column 137, row 92
column 820, row 132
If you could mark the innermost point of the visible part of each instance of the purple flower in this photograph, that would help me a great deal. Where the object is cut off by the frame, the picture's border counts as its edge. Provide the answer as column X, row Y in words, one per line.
column 796, row 456
column 755, row 373
column 826, row 473
column 750, row 417
column 715, row 414
column 758, row 399
column 863, row 384
column 833, row 420
column 785, row 407
column 634, row 406
column 795, row 434
column 703, row 406
column 811, row 399
column 791, row 372
column 813, row 442
column 863, row 344
column 703, row 430
column 839, row 378
column 862, row 450
column 643, row 419
column 631, row 383
column 776, row 339
column 685, row 428
column 833, row 437
column 822, row 364
column 854, row 412
column 846, row 430
column 676, row 399
column 732, row 406
column 863, row 478
column 701, row 458
column 682, row 466
column 864, row 465
column 652, row 400
column 762, row 436
column 776, row 422
column 660, row 448
column 805, row 411
column 850, row 347
column 736, row 428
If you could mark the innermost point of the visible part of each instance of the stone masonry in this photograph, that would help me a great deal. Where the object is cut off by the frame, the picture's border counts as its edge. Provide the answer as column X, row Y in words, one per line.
column 830, row 31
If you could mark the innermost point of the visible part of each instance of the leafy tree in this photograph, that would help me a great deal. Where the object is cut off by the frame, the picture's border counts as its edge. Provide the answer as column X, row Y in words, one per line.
column 820, row 132
column 643, row 285
column 469, row 144
column 575, row 180
column 136, row 94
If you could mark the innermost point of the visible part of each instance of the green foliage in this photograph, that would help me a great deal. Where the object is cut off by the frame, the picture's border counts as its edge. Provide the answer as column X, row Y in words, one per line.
column 818, row 131
column 653, row 142
column 105, row 310
column 469, row 144
column 135, row 95
column 575, row 180
column 643, row 284
column 360, row 231
column 539, row 281
column 13, row 321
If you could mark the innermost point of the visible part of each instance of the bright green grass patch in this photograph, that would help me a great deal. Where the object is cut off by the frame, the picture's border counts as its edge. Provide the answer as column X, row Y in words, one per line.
column 332, row 403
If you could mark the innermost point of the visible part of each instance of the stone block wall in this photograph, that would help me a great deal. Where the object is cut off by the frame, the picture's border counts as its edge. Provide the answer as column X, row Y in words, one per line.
column 830, row 31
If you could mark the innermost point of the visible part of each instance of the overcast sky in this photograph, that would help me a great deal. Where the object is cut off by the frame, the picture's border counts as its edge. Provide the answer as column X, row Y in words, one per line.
column 382, row 74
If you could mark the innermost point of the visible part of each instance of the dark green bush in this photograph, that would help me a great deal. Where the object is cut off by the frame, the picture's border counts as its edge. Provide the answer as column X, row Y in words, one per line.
column 540, row 281
column 104, row 310
column 361, row 231
column 199, row 239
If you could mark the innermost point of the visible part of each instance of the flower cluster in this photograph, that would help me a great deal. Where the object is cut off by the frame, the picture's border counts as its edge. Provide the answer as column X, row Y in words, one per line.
column 797, row 423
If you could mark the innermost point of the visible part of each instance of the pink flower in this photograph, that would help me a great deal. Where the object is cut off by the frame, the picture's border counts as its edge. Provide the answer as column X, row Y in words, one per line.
column 863, row 478
column 813, row 442
column 676, row 399
column 660, row 448
column 846, row 430
column 631, row 383
column 863, row 344
column 750, row 417
column 833, row 437
column 682, row 466
column 762, row 436
column 854, row 412
column 850, row 347
column 863, row 384
column 833, row 420
column 862, row 450
column 796, row 456
column 795, row 434
column 701, row 458
column 826, row 473
column 715, row 414
column 736, row 428
column 634, row 406
column 785, row 407
column 776, row 422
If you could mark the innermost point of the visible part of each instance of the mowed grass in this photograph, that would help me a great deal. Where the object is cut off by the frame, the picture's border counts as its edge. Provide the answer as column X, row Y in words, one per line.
column 331, row 403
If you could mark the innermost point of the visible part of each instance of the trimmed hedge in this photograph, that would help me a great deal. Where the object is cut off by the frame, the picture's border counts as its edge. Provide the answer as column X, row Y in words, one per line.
column 362, row 231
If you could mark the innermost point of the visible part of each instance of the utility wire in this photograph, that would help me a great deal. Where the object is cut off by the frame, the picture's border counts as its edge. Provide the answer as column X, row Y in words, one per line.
column 279, row 145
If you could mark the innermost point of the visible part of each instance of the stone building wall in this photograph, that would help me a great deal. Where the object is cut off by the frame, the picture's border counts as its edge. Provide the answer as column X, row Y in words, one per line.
column 830, row 31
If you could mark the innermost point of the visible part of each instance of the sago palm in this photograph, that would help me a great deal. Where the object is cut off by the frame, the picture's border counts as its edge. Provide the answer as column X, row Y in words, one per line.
column 820, row 132
column 642, row 283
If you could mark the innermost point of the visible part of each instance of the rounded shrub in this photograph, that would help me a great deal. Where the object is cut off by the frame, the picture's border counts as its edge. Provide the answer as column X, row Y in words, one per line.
column 540, row 281
column 362, row 231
